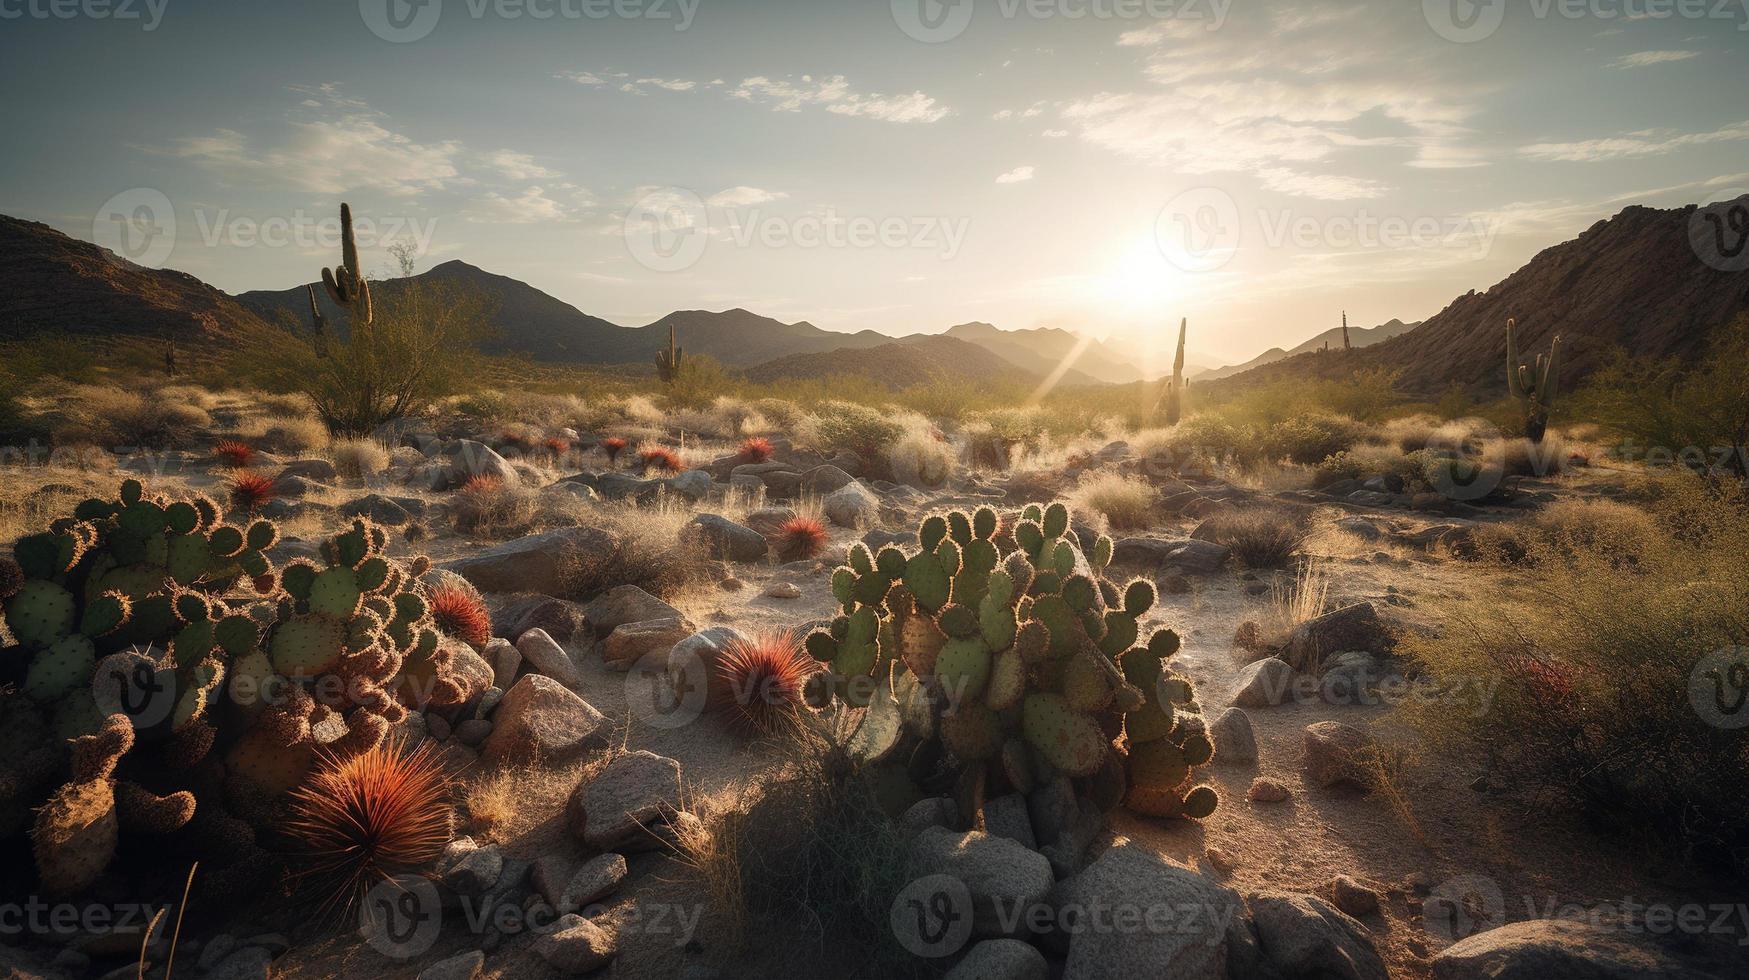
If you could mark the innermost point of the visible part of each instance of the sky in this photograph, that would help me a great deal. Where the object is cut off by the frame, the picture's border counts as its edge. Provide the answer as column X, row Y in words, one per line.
column 1106, row 166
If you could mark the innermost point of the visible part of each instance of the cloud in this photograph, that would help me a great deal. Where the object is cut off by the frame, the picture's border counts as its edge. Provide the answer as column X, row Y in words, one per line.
column 836, row 96
column 518, row 166
column 530, row 206
column 1019, row 175
column 1629, row 146
column 743, row 197
column 1324, row 187
column 593, row 79
column 671, row 84
column 327, row 156
column 1641, row 59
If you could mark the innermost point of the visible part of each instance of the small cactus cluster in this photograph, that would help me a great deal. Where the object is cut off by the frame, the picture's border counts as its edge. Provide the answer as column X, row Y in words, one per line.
column 1014, row 660
column 189, row 685
column 1534, row 387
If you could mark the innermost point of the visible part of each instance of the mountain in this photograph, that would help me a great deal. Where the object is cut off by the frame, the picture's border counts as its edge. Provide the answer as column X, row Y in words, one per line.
column 1357, row 337
column 1634, row 281
column 900, row 364
column 739, row 338
column 56, row 284
column 1042, row 349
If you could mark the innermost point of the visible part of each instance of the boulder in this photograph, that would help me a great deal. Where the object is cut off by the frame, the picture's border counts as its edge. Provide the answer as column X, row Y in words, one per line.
column 1355, row 627
column 1266, row 683
column 1562, row 949
column 465, row 966
column 468, row 458
column 387, row 511
column 545, row 655
column 1003, row 877
column 1337, row 755
column 693, row 485
column 727, row 540
column 1352, row 897
column 633, row 792
column 1006, row 816
column 934, row 811
column 315, row 470
column 625, row 604
column 516, row 615
column 825, row 479
column 595, row 880
column 1267, row 791
column 1187, row 554
column 1303, row 936
column 1195, row 944
column 544, row 563
column 696, row 655
column 540, row 718
column 1235, row 742
column 506, row 662
column 852, row 505
column 1001, row 959
column 575, row 945
column 629, row 643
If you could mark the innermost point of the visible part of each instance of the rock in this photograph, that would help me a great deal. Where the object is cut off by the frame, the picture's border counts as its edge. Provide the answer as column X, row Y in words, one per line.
column 516, row 615
column 595, row 880
column 435, row 726
column 1068, row 853
column 625, row 604
column 725, row 539
column 1235, row 742
column 1267, row 791
column 388, row 512
column 466, row 966
column 783, row 590
column 468, row 458
column 541, row 718
column 1337, row 754
column 1004, row 878
column 629, row 643
column 1194, row 945
column 1303, row 936
column 634, row 791
column 506, row 662
column 1561, row 949
column 1348, row 677
column 576, row 945
column 1355, row 627
column 696, row 655
column 934, row 811
column 1361, row 528
column 248, row 963
column 289, row 488
column 476, row 872
column 546, row 656
column 877, row 539
column 694, row 485
column 1001, row 959
column 537, row 563
column 472, row 732
column 1266, row 683
column 1353, row 898
column 852, row 505
column 315, row 470
column 1188, row 554
column 1006, row 816
column 216, row 949
column 825, row 479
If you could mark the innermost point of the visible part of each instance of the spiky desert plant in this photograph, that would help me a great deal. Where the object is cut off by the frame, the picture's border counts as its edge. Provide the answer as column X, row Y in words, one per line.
column 1534, row 387
column 613, row 446
column 801, row 537
column 755, row 449
column 659, row 459
column 234, row 453
column 668, row 361
column 556, row 446
column 251, row 491
column 458, row 611
column 757, row 682
column 346, row 284
column 1169, row 408
column 380, row 814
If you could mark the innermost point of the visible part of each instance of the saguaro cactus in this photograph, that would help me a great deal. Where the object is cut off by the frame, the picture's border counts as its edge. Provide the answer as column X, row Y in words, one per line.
column 668, row 361
column 318, row 323
column 1346, row 346
column 1534, row 387
column 346, row 284
column 1170, row 406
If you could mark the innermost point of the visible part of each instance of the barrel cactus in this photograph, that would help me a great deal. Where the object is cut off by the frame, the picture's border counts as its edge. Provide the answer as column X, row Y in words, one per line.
column 1017, row 662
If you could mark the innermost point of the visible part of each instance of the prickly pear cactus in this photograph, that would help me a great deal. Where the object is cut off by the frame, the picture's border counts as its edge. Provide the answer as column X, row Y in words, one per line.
column 1028, row 663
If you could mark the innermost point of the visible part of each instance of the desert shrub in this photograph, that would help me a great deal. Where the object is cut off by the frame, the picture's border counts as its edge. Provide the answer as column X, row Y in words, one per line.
column 1208, row 437
column 1126, row 502
column 1261, row 537
column 1366, row 461
column 653, row 554
column 858, row 429
column 359, row 458
column 1521, row 457
column 779, row 413
column 1608, row 530
column 1309, row 439
column 117, row 418
column 293, row 434
column 1695, row 411
column 1610, row 708
column 700, row 381
column 921, row 458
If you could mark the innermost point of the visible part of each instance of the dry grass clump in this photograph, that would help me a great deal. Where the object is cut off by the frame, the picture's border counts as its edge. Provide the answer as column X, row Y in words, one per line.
column 115, row 418
column 358, row 458
column 1606, row 529
column 1310, row 439
column 1126, row 502
column 1521, row 457
column 1556, row 684
column 1416, row 432
column 921, row 457
column 653, row 554
column 292, row 434
column 489, row 507
column 867, row 433
column 1261, row 537
column 508, row 802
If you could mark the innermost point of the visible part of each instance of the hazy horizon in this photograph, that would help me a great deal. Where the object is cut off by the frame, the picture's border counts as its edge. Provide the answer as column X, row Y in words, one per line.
column 900, row 167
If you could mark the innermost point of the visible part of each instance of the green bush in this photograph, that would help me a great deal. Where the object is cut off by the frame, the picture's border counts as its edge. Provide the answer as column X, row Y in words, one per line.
column 858, row 429
column 1310, row 439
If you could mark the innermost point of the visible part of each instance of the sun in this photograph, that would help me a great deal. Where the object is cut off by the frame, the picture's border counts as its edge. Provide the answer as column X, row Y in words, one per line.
column 1141, row 282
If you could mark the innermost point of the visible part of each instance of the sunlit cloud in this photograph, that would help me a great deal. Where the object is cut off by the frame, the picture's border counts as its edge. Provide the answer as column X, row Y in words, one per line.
column 1018, row 175
column 1644, row 143
column 1641, row 59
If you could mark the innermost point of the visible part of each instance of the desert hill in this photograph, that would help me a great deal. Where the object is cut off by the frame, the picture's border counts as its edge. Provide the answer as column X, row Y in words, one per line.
column 1332, row 338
